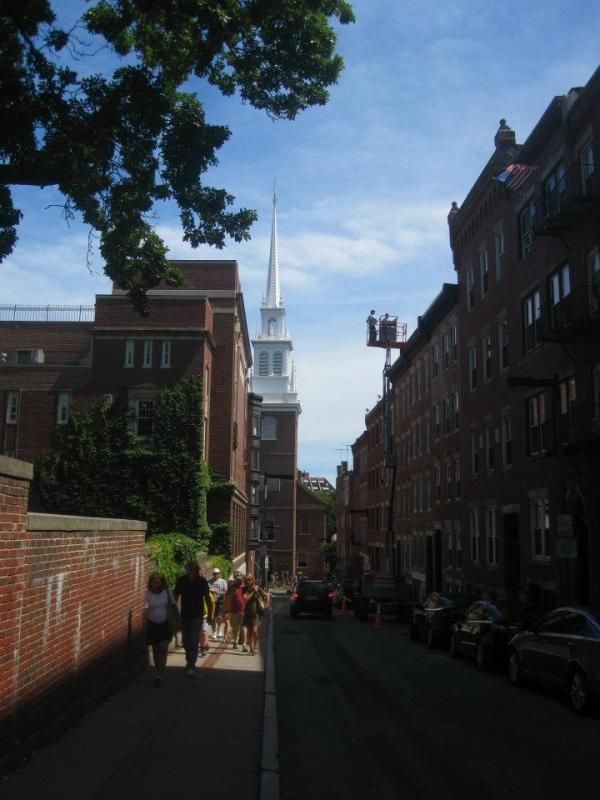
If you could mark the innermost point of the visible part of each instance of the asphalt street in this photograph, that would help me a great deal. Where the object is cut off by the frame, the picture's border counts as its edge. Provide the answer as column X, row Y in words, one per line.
column 368, row 713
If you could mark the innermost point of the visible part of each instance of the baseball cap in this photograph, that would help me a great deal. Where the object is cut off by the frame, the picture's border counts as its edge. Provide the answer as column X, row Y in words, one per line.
column 216, row 571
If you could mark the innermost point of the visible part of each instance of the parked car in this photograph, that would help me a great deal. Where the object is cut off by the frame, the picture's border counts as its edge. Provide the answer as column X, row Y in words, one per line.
column 483, row 635
column 433, row 619
column 562, row 652
column 312, row 597
column 346, row 590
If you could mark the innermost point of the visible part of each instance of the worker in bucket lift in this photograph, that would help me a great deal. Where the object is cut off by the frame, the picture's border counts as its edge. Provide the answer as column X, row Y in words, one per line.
column 387, row 328
column 372, row 323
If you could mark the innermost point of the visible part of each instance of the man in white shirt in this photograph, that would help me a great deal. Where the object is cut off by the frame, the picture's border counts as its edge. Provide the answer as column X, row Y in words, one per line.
column 218, row 587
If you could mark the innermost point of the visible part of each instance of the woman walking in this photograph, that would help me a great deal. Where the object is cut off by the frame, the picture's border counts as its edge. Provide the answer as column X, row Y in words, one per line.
column 158, row 633
column 256, row 602
column 235, row 603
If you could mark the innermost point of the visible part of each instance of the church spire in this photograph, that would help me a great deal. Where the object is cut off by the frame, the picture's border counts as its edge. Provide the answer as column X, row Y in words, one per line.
column 273, row 294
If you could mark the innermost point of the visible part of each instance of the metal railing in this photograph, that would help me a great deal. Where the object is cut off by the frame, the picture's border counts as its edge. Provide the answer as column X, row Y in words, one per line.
column 48, row 313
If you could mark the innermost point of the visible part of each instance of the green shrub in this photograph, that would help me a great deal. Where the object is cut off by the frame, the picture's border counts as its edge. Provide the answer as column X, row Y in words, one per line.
column 171, row 553
column 221, row 540
column 222, row 563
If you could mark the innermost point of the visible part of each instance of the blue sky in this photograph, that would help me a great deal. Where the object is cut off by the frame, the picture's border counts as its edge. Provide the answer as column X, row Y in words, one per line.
column 364, row 185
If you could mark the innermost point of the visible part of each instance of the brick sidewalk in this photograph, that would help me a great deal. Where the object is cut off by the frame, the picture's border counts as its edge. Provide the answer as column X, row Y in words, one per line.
column 190, row 737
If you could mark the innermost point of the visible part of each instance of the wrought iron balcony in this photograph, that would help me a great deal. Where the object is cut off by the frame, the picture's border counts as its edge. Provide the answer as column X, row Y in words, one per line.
column 579, row 428
column 567, row 200
column 574, row 318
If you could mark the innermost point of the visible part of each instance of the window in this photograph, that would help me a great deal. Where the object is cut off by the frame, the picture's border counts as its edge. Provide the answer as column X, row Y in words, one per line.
column 470, row 289
column 12, row 408
column 593, row 261
column 436, row 422
column 165, row 354
column 435, row 359
column 457, row 476
column 472, row 368
column 491, row 537
column 263, row 363
column 474, row 453
column 539, row 521
column 437, row 472
column 560, row 291
column 449, row 480
column 144, row 417
column 536, row 424
column 567, row 396
column 526, row 236
column 277, row 363
column 446, row 350
column 272, row 327
column 474, row 535
column 484, row 272
column 30, row 356
column 454, row 343
column 489, row 447
column 532, row 312
column 63, row 408
column 255, row 459
column 586, row 162
column 506, row 439
column 269, row 428
column 447, row 415
column 458, row 542
column 499, row 247
column 147, row 357
column 554, row 191
column 486, row 353
column 503, row 343
column 129, row 353
column 455, row 410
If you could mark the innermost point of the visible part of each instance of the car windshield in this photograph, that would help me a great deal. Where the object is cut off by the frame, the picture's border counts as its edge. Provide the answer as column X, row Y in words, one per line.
column 313, row 586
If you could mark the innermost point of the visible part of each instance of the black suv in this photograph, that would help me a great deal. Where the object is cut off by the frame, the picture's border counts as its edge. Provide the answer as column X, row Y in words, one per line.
column 312, row 597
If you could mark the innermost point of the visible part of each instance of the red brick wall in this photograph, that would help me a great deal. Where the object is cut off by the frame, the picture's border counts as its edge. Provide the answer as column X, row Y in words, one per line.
column 71, row 602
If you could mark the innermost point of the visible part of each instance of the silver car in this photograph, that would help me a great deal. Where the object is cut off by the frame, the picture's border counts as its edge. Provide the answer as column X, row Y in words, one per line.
column 563, row 652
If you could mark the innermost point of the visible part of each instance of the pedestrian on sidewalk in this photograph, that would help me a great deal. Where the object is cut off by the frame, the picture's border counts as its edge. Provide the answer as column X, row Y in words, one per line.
column 207, row 620
column 235, row 602
column 256, row 602
column 218, row 587
column 158, row 633
column 192, row 590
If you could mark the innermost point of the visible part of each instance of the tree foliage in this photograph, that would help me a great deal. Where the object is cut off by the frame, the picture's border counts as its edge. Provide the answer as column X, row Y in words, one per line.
column 172, row 552
column 116, row 143
column 101, row 468
column 331, row 511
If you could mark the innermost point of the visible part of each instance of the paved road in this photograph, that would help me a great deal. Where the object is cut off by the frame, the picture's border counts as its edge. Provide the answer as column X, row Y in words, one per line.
column 367, row 713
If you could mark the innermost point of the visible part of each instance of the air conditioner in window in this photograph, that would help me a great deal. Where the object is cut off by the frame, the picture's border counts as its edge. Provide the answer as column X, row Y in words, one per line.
column 37, row 356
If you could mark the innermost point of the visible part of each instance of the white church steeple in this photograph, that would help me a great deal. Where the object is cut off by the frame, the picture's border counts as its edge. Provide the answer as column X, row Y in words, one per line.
column 273, row 373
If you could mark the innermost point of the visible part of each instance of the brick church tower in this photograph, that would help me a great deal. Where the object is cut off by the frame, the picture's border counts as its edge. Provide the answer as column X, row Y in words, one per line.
column 274, row 381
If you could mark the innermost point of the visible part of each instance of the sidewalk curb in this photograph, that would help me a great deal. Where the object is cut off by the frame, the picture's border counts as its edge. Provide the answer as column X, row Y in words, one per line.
column 269, row 768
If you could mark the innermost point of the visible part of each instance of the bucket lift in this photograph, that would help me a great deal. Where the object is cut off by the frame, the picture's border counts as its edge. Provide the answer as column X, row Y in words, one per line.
column 390, row 334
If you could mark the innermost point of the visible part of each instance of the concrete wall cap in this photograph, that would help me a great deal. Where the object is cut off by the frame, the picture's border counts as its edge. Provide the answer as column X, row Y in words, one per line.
column 62, row 522
column 15, row 468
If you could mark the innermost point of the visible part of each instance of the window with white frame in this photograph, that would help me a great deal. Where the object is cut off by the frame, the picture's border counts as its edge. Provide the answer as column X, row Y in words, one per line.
column 484, row 274
column 277, row 362
column 437, row 430
column 165, row 353
column 63, row 408
column 499, row 248
column 474, row 535
column 435, row 359
column 470, row 288
column 560, row 291
column 454, row 343
column 539, row 521
column 503, row 343
column 147, row 356
column 263, row 363
column 472, row 355
column 554, row 191
column 129, row 353
column 438, row 482
column 526, row 234
column 532, row 313
column 144, row 413
column 12, row 408
column 458, row 543
column 447, row 415
column 446, row 350
column 506, row 438
column 455, row 410
column 491, row 537
column 536, row 424
column 269, row 428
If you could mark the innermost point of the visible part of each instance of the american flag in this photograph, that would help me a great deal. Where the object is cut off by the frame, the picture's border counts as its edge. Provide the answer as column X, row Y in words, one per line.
column 515, row 175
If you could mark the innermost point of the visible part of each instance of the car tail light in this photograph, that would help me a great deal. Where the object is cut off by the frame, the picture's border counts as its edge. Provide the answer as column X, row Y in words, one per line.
column 295, row 595
column 330, row 595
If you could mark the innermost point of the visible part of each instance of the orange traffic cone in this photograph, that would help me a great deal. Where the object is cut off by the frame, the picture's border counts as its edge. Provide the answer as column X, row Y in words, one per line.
column 343, row 606
column 378, row 623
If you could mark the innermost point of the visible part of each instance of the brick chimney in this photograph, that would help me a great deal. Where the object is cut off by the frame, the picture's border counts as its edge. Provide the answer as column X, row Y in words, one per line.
column 505, row 136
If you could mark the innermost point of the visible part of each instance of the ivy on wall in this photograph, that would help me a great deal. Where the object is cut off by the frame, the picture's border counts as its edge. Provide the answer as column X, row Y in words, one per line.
column 99, row 467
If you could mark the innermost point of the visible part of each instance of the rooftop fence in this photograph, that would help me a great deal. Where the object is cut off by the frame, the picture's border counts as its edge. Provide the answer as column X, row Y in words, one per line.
column 15, row 313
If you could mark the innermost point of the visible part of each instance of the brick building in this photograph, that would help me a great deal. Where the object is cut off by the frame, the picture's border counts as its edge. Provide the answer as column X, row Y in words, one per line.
column 344, row 517
column 54, row 363
column 528, row 266
column 425, row 386
column 311, row 532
